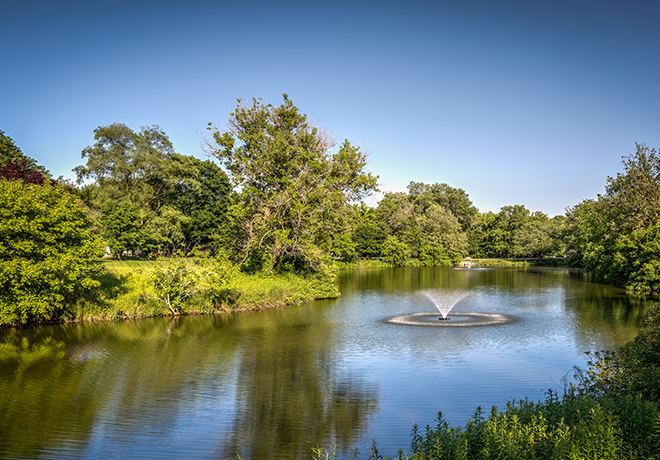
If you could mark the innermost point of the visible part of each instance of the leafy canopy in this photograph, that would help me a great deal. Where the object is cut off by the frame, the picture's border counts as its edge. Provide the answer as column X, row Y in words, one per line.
column 47, row 248
column 151, row 197
column 287, row 181
column 616, row 235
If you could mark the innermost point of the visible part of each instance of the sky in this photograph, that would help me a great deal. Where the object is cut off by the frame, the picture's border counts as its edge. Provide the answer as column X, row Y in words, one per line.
column 515, row 102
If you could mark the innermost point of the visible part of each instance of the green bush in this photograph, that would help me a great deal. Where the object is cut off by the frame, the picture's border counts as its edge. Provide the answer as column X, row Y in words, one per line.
column 47, row 251
column 395, row 253
column 173, row 282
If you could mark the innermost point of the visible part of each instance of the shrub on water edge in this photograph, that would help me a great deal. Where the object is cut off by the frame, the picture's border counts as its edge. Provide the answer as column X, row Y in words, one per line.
column 323, row 282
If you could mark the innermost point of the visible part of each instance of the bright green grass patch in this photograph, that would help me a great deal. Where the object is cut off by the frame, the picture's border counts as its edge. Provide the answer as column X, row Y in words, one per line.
column 260, row 291
column 127, row 291
column 363, row 263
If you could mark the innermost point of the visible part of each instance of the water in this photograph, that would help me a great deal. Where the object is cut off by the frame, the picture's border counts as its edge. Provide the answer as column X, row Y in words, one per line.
column 273, row 384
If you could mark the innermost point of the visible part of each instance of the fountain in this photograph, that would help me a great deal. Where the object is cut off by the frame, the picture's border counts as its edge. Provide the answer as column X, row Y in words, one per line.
column 444, row 301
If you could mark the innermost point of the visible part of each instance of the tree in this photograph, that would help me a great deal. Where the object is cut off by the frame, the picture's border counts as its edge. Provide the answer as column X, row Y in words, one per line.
column 635, row 194
column 442, row 229
column 136, row 175
column 616, row 236
column 367, row 231
column 395, row 252
column 14, row 165
column 47, row 247
column 202, row 194
column 433, row 234
column 287, row 181
column 453, row 200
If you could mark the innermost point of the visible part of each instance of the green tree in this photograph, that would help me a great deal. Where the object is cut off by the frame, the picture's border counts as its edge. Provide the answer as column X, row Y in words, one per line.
column 539, row 236
column 11, row 153
column 453, row 200
column 395, row 252
column 136, row 176
column 202, row 194
column 47, row 248
column 616, row 236
column 287, row 182
column 433, row 234
column 441, row 229
column 635, row 194
column 368, row 232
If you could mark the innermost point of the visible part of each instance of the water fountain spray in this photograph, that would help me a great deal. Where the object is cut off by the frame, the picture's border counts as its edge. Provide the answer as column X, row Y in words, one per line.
column 444, row 301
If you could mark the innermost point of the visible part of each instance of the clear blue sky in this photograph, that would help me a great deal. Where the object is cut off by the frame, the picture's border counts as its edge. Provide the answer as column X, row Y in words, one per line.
column 516, row 102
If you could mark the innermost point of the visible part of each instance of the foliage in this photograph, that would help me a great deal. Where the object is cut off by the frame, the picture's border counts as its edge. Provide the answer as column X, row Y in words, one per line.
column 452, row 200
column 566, row 427
column 516, row 232
column 11, row 154
column 47, row 247
column 323, row 281
column 202, row 195
column 423, row 219
column 128, row 169
column 616, row 236
column 150, row 197
column 395, row 252
column 173, row 282
column 20, row 170
column 287, row 183
column 126, row 289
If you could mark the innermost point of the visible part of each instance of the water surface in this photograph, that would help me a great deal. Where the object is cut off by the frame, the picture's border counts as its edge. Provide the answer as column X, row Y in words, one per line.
column 273, row 384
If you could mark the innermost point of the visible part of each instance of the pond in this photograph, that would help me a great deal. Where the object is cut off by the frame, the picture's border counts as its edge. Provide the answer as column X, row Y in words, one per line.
column 275, row 383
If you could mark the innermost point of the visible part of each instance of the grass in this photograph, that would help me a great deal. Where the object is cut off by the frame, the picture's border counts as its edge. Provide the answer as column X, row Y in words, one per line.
column 362, row 263
column 126, row 291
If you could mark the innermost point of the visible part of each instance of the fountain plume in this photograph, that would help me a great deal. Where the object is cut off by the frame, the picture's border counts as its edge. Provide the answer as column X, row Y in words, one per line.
column 444, row 301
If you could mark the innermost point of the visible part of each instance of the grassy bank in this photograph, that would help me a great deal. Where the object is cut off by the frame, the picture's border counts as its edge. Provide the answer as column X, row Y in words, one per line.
column 129, row 289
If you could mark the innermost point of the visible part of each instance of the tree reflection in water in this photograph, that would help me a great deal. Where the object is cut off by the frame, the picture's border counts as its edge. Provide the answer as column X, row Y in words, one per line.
column 293, row 396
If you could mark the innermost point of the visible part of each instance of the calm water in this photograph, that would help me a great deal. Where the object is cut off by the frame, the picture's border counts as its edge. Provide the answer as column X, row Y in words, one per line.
column 273, row 384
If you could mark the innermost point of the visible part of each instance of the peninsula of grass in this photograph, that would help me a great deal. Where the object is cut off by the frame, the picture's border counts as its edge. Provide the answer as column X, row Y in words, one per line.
column 127, row 290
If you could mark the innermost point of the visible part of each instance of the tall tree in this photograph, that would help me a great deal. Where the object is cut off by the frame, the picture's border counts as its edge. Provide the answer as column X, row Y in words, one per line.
column 202, row 194
column 616, row 235
column 635, row 193
column 135, row 173
column 287, row 180
column 453, row 200
column 431, row 231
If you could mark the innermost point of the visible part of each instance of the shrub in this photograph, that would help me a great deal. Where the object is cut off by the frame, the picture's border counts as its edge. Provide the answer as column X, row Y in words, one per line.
column 47, row 251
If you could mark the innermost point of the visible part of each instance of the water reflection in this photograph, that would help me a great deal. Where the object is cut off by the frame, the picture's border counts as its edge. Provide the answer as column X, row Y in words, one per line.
column 291, row 396
column 273, row 384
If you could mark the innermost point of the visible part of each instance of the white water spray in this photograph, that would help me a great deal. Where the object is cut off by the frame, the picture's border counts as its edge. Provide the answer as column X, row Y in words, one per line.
column 445, row 300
